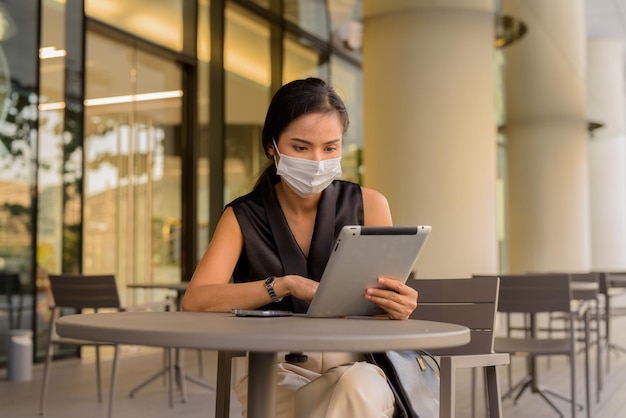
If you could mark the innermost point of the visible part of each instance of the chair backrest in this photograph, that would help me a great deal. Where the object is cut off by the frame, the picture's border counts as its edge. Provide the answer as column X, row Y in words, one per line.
column 591, row 277
column 612, row 279
column 585, row 293
column 10, row 284
column 469, row 302
column 84, row 291
column 535, row 293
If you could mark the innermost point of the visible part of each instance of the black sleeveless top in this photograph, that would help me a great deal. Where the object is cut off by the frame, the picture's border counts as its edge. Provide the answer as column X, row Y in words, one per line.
column 270, row 248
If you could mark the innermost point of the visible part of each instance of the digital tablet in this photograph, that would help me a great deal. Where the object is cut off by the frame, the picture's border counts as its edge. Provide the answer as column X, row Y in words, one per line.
column 362, row 254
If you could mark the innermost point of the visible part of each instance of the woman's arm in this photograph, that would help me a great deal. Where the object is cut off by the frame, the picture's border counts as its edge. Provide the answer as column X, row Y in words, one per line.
column 210, row 288
column 396, row 298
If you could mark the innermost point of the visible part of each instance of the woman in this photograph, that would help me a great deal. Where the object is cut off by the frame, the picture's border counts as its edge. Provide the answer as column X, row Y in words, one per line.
column 275, row 241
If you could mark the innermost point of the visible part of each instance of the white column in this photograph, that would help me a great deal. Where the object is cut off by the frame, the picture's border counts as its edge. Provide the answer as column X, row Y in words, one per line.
column 607, row 171
column 430, row 126
column 546, row 131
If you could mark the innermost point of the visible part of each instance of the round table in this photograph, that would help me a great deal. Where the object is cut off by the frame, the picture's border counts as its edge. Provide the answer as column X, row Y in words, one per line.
column 262, row 338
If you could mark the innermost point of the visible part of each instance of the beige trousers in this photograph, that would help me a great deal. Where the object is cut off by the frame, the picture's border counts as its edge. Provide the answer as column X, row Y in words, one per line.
column 328, row 385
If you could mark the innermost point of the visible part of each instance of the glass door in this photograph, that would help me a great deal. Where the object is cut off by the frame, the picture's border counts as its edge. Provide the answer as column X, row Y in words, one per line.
column 132, row 176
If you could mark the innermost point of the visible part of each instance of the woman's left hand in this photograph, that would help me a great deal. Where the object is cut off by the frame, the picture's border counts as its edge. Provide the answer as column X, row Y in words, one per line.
column 396, row 298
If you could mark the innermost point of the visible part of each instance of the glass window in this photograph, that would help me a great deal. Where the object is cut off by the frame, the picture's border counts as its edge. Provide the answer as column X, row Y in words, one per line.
column 263, row 3
column 248, row 79
column 301, row 60
column 347, row 81
column 204, row 55
column 309, row 15
column 18, row 143
column 158, row 21
column 51, row 125
column 132, row 181
column 346, row 26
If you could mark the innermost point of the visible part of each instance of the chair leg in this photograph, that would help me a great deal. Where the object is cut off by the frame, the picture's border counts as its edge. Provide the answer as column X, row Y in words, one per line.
column 572, row 359
column 587, row 370
column 599, row 371
column 46, row 378
column 473, row 394
column 170, row 376
column 222, row 391
column 447, row 375
column 607, row 333
column 98, row 374
column 181, row 378
column 113, row 379
column 200, row 364
column 54, row 314
column 494, row 404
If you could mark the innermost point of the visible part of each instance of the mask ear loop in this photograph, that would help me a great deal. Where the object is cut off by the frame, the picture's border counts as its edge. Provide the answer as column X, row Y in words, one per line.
column 277, row 152
column 275, row 147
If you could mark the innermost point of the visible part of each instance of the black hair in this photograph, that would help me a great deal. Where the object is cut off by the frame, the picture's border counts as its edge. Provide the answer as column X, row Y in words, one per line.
column 293, row 100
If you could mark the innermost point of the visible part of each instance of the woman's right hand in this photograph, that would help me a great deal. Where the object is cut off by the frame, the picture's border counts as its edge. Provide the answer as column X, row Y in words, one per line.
column 299, row 287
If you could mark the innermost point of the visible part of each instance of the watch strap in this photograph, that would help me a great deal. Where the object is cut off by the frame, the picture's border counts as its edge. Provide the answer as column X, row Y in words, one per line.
column 269, row 286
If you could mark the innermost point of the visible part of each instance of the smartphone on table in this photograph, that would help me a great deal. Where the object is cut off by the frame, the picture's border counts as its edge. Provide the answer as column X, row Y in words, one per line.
column 260, row 313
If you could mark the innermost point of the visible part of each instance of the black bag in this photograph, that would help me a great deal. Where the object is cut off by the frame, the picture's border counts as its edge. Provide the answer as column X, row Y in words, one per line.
column 413, row 380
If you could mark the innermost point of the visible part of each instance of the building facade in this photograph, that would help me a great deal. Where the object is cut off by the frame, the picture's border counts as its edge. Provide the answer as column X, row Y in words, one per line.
column 125, row 127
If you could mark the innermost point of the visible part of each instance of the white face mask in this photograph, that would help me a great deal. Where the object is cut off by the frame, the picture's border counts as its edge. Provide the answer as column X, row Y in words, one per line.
column 307, row 177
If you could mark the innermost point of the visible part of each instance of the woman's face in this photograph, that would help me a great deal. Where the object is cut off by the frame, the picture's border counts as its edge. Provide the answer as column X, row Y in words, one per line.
column 315, row 136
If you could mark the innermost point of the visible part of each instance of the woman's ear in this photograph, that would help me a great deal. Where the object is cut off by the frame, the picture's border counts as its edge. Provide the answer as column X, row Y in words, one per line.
column 271, row 149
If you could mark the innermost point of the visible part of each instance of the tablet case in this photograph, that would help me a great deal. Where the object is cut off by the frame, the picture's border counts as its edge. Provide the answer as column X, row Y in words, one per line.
column 361, row 254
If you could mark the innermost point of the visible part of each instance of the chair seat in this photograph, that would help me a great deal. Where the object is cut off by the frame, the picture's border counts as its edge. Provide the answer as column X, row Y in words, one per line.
column 481, row 360
column 534, row 347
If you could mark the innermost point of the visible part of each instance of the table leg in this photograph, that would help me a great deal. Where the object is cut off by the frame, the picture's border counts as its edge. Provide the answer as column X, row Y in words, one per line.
column 261, row 385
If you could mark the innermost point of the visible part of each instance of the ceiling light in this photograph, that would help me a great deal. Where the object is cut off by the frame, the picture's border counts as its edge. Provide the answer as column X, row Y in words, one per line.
column 51, row 52
column 134, row 98
column 159, row 95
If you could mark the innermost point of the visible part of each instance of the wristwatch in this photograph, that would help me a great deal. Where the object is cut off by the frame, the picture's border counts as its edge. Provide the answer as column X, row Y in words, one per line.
column 269, row 285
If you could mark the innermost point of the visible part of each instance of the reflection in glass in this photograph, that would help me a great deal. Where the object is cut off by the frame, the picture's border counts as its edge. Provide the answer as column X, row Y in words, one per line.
column 347, row 81
column 310, row 15
column 247, row 62
column 301, row 60
column 132, row 166
column 204, row 55
column 246, row 48
column 157, row 21
column 18, row 144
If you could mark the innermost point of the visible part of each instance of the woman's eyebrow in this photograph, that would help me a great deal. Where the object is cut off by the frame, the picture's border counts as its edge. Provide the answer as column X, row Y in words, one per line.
column 307, row 142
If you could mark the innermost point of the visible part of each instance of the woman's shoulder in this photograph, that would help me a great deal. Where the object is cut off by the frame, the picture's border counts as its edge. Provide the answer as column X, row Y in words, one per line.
column 375, row 207
column 373, row 196
column 348, row 187
column 252, row 198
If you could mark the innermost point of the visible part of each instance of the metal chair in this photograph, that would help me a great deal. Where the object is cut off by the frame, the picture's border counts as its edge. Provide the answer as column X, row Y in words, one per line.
column 75, row 293
column 586, row 297
column 470, row 302
column 533, row 294
column 612, row 285
column 78, row 292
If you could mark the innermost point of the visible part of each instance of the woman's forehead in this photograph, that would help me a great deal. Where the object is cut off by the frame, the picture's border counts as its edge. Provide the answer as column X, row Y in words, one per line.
column 316, row 125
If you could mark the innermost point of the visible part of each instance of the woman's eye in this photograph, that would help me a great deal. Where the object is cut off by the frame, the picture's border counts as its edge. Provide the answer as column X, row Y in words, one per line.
column 299, row 148
column 331, row 149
